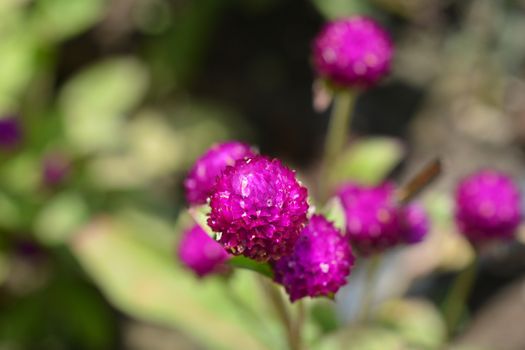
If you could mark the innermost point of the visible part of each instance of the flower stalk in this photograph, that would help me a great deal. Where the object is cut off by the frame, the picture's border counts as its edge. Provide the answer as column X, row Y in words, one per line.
column 336, row 136
column 454, row 306
column 367, row 299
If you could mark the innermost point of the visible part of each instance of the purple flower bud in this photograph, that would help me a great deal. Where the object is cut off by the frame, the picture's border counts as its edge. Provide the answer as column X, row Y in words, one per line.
column 352, row 52
column 487, row 206
column 10, row 132
column 202, row 176
column 415, row 223
column 319, row 264
column 200, row 252
column 373, row 218
column 258, row 208
column 55, row 169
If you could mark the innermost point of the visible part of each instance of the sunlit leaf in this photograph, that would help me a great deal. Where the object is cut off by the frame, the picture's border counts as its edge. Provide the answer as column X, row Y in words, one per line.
column 334, row 212
column 95, row 102
column 21, row 174
column 18, row 52
column 417, row 321
column 147, row 283
column 368, row 161
column 60, row 19
column 331, row 9
column 61, row 217
column 360, row 338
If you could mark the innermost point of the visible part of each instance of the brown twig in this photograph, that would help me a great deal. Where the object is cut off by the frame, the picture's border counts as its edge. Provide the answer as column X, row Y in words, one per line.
column 420, row 181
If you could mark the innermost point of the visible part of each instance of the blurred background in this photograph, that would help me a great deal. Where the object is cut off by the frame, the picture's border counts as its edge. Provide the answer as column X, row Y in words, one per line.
column 105, row 105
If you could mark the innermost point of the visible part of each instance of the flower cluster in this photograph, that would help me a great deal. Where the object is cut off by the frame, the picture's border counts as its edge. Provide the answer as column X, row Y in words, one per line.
column 259, row 209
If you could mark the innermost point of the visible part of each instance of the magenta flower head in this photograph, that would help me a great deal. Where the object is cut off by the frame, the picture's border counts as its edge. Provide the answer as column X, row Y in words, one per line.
column 202, row 176
column 200, row 253
column 373, row 219
column 352, row 52
column 10, row 132
column 258, row 209
column 487, row 206
column 319, row 264
column 415, row 223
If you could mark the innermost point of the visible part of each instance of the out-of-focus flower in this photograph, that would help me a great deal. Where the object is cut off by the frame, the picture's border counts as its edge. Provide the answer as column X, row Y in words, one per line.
column 55, row 168
column 376, row 222
column 352, row 52
column 258, row 208
column 320, row 262
column 415, row 223
column 487, row 206
column 201, row 253
column 202, row 176
column 10, row 132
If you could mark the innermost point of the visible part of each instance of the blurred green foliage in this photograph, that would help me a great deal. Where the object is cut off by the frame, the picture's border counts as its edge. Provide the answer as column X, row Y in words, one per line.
column 107, row 83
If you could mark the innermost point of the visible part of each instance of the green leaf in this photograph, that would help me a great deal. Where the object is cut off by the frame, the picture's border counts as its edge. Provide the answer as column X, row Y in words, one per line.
column 60, row 19
column 146, row 283
column 61, row 217
column 324, row 315
column 18, row 61
column 331, row 9
column 417, row 321
column 10, row 212
column 200, row 216
column 360, row 338
column 95, row 102
column 335, row 213
column 21, row 174
column 244, row 263
column 368, row 161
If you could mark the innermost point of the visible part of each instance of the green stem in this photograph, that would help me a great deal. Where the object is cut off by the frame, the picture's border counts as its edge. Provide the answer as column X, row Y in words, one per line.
column 298, row 325
column 367, row 300
column 276, row 301
column 336, row 135
column 454, row 306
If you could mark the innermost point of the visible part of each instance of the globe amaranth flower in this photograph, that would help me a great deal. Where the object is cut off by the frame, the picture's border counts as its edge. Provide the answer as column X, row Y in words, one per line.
column 319, row 264
column 10, row 132
column 487, row 206
column 352, row 52
column 375, row 221
column 202, row 176
column 258, row 208
column 201, row 253
column 415, row 223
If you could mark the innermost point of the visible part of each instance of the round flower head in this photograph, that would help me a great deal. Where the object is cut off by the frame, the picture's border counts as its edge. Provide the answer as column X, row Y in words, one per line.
column 487, row 206
column 200, row 252
column 202, row 176
column 352, row 52
column 258, row 208
column 373, row 219
column 319, row 264
column 10, row 132
column 415, row 223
